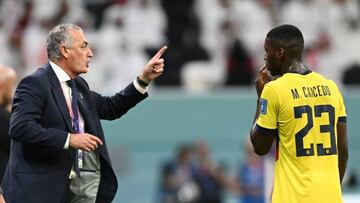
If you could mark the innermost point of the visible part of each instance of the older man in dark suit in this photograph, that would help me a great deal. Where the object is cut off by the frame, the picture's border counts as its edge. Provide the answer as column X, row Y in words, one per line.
column 58, row 151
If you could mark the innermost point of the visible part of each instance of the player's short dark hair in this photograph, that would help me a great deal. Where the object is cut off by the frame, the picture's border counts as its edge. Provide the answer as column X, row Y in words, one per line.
column 288, row 35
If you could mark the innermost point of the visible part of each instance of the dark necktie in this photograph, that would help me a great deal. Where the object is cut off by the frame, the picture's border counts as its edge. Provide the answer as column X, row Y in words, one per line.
column 75, row 118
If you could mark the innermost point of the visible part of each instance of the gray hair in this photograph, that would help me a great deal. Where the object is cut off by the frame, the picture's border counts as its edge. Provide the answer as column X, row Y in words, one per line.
column 58, row 36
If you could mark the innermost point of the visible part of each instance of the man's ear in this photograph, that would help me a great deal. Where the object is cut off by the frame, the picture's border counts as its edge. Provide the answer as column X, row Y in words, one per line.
column 64, row 51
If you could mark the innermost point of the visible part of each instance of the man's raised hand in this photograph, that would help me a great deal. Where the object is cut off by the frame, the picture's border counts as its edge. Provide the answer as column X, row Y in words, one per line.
column 155, row 67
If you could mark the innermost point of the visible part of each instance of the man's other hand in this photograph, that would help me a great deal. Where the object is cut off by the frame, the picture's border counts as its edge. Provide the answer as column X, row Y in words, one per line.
column 84, row 141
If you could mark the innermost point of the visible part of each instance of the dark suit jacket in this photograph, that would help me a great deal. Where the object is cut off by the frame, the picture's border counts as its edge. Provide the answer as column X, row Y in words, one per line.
column 39, row 167
column 4, row 140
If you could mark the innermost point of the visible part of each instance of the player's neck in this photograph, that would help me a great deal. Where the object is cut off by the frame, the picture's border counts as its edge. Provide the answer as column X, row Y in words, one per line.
column 297, row 67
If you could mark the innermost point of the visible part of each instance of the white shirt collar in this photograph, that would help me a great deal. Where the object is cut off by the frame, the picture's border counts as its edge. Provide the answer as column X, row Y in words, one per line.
column 59, row 72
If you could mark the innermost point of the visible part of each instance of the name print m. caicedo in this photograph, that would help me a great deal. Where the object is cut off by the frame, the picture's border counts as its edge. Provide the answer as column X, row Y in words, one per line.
column 310, row 91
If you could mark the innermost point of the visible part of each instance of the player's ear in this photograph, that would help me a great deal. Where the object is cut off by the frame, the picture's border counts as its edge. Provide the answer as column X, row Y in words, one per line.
column 280, row 53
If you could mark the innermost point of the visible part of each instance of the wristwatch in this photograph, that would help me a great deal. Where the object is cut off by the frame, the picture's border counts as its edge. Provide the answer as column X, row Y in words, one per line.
column 141, row 82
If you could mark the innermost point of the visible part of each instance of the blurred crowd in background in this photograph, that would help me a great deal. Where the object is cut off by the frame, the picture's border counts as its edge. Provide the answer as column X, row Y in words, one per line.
column 193, row 176
column 212, row 43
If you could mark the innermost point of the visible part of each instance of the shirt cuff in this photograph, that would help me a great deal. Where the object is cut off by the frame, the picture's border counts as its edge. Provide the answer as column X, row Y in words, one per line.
column 66, row 146
column 139, row 88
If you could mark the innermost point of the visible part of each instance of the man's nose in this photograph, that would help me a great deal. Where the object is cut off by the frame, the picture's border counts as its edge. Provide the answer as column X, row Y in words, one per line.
column 90, row 53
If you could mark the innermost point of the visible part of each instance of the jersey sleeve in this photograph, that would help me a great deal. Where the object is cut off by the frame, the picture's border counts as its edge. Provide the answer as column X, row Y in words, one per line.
column 268, row 110
column 342, row 109
column 341, row 112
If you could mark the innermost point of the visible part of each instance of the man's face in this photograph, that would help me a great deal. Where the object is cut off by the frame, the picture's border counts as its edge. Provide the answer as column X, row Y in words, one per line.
column 79, row 53
column 272, row 62
column 7, row 88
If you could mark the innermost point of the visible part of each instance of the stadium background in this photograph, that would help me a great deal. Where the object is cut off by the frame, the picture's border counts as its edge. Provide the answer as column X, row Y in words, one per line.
column 215, row 48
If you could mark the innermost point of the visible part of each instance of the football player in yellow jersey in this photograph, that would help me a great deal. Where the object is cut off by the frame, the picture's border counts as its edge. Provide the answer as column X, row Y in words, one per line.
column 305, row 114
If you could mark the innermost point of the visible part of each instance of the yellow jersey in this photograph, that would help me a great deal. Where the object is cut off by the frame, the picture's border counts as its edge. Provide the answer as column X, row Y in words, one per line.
column 303, row 112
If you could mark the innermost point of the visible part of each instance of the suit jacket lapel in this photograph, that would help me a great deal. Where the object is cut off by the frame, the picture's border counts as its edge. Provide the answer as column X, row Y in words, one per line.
column 59, row 96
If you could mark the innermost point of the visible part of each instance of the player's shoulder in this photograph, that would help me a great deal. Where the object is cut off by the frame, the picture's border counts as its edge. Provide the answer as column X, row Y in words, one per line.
column 331, row 84
column 273, row 88
column 318, row 75
column 277, row 82
column 324, row 79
